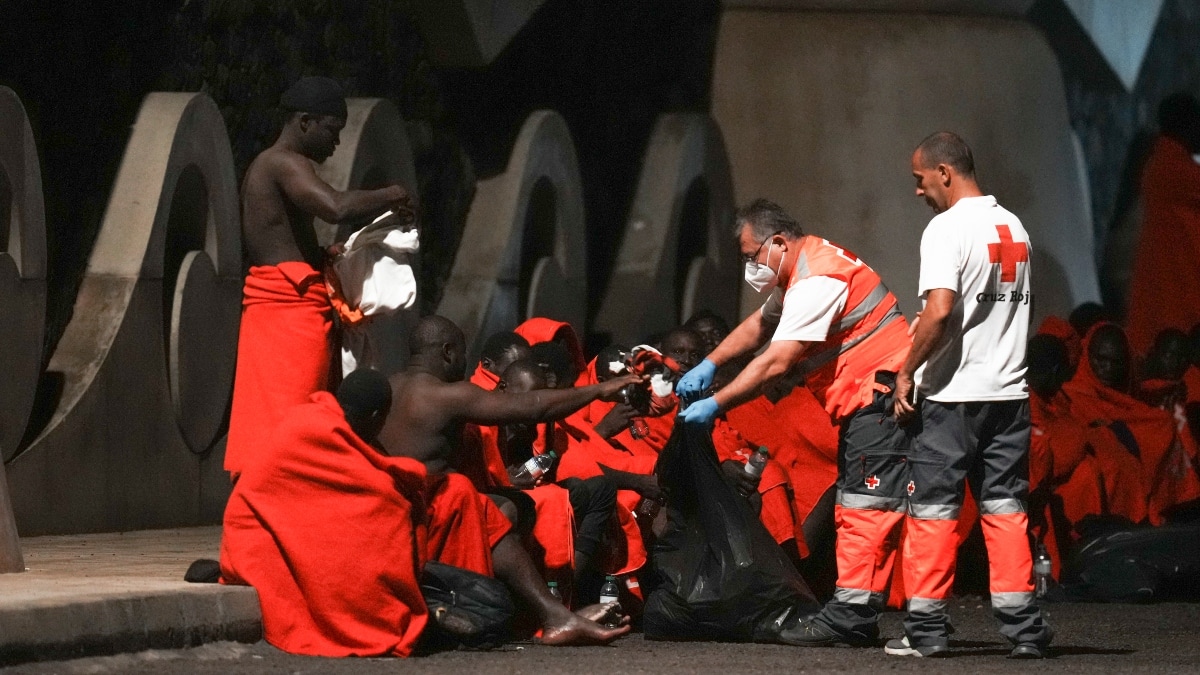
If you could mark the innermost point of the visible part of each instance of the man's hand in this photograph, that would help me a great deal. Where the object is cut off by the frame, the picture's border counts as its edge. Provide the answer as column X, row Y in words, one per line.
column 616, row 421
column 735, row 474
column 700, row 413
column 647, row 486
column 902, row 395
column 610, row 390
column 693, row 385
column 912, row 327
column 407, row 209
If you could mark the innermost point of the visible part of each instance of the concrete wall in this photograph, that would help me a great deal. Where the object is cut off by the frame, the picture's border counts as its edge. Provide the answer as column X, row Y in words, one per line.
column 146, row 363
column 821, row 112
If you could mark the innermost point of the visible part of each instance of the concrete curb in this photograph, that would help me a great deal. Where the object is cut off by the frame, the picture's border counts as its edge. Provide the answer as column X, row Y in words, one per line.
column 129, row 622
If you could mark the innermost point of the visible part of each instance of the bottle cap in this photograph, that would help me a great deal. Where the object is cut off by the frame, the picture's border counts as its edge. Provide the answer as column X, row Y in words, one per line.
column 552, row 454
column 552, row 584
column 610, row 577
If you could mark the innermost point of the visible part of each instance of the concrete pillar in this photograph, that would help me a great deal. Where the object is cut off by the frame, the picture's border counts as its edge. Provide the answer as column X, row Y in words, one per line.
column 821, row 112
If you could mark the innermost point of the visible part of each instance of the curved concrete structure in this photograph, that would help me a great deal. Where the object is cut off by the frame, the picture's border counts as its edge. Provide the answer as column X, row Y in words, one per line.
column 821, row 112
column 677, row 255
column 147, row 359
column 523, row 251
column 22, row 271
column 374, row 151
column 22, row 297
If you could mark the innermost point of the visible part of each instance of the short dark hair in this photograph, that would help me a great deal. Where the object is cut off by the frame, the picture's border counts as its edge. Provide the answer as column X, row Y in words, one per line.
column 497, row 344
column 527, row 367
column 765, row 218
column 364, row 395
column 947, row 147
column 707, row 315
column 432, row 332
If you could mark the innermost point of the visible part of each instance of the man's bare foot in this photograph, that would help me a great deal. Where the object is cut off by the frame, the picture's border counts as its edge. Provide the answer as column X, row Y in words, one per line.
column 608, row 613
column 566, row 628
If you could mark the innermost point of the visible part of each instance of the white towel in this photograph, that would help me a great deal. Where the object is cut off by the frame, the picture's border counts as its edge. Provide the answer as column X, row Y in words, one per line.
column 377, row 278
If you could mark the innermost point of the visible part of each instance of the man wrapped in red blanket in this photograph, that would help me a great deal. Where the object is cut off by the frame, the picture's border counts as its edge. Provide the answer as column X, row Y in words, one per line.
column 284, row 345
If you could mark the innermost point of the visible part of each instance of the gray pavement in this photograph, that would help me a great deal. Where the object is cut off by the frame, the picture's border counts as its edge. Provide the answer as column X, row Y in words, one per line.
column 109, row 593
column 123, row 594
column 1092, row 639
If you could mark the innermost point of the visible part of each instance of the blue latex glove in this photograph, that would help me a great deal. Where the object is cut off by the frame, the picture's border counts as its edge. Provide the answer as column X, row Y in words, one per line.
column 700, row 413
column 693, row 385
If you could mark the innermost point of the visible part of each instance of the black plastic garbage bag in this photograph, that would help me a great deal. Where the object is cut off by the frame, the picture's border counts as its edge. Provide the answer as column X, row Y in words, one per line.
column 716, row 573
column 1138, row 564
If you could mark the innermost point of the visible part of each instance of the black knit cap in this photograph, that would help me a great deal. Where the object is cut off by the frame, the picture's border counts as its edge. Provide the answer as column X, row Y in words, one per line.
column 315, row 95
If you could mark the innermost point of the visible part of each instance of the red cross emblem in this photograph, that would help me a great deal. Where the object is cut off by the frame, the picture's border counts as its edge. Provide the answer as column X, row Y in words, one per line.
column 912, row 487
column 1008, row 253
column 872, row 482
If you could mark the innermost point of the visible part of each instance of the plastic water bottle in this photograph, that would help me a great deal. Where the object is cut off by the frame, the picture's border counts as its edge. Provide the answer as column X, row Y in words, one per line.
column 638, row 428
column 757, row 461
column 553, row 587
column 609, row 592
column 1043, row 568
column 647, row 508
column 535, row 468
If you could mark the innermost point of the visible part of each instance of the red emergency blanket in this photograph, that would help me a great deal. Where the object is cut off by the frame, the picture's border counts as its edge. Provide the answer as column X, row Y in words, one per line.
column 1149, row 434
column 777, row 510
column 800, row 436
column 330, row 533
column 285, row 349
column 1163, row 287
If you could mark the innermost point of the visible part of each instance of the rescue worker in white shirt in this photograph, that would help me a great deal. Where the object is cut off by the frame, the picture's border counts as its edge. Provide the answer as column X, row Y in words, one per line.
column 833, row 325
column 967, row 366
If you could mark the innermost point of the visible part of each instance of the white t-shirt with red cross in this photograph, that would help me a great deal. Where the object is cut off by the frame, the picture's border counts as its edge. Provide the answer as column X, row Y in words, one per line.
column 979, row 250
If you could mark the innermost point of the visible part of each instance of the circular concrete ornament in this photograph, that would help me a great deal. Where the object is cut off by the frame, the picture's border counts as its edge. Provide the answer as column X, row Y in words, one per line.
column 523, row 250
column 22, row 271
column 677, row 255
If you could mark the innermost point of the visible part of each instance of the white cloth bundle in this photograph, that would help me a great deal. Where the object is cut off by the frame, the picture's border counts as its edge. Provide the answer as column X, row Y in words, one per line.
column 376, row 278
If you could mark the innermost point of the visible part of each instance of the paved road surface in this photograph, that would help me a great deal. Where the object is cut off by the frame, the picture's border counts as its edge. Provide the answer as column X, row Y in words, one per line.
column 1092, row 639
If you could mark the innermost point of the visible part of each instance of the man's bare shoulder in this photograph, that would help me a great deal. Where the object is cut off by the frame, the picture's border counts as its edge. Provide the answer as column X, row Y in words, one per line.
column 275, row 162
column 425, row 390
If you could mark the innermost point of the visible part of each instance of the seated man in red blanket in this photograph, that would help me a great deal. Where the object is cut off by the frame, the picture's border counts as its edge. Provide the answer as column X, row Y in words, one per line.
column 499, row 351
column 327, row 589
column 1100, row 397
column 285, row 346
column 593, row 500
column 431, row 404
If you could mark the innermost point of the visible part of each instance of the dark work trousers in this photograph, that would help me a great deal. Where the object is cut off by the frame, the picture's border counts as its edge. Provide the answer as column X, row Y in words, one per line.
column 985, row 444
column 871, row 501
column 594, row 501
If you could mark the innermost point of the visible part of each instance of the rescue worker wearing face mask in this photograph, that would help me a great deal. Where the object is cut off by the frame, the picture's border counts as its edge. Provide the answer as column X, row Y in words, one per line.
column 833, row 325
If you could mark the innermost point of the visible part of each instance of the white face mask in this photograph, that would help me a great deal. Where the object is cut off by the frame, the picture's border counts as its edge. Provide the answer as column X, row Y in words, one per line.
column 760, row 276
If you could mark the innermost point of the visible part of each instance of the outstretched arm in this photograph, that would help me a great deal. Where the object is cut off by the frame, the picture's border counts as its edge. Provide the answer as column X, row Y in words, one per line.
column 544, row 405
column 749, row 336
column 305, row 188
column 772, row 364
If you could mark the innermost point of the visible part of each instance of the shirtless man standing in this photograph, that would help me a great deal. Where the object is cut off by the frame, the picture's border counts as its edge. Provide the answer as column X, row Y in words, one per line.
column 430, row 405
column 285, row 342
